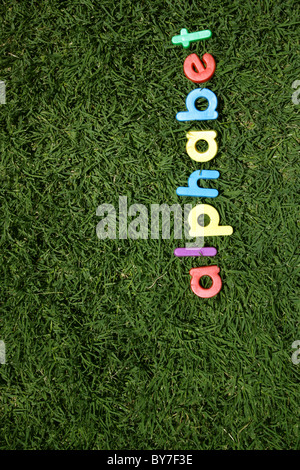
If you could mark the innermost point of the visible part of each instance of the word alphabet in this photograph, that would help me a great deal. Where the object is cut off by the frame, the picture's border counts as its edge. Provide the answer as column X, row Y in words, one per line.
column 200, row 71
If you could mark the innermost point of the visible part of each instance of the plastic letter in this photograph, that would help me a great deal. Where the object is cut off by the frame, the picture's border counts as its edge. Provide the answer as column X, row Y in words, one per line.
column 193, row 137
column 204, row 251
column 192, row 113
column 213, row 273
column 185, row 37
column 201, row 74
column 194, row 190
column 213, row 228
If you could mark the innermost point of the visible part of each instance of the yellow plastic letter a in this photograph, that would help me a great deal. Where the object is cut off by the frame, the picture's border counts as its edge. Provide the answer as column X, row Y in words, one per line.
column 213, row 228
column 193, row 137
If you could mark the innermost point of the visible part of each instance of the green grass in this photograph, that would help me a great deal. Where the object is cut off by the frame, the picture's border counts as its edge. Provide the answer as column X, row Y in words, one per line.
column 99, row 355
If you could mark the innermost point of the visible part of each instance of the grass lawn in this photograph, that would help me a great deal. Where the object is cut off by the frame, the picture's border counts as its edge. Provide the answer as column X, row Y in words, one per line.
column 106, row 345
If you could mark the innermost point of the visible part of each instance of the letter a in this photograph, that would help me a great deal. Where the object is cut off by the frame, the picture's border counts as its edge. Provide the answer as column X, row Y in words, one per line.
column 213, row 273
column 193, row 137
